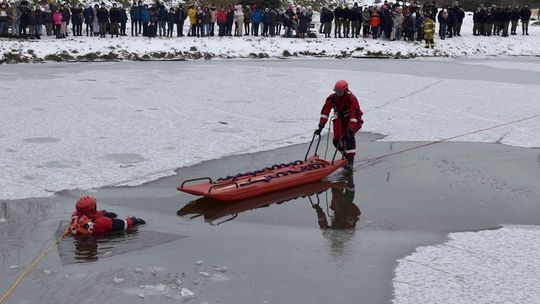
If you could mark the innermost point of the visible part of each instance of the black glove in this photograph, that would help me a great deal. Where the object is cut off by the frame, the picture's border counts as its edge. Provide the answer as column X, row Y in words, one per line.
column 109, row 214
column 137, row 221
column 319, row 129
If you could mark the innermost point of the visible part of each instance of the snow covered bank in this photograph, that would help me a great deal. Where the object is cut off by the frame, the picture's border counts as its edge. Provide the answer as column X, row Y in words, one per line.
column 492, row 266
column 138, row 48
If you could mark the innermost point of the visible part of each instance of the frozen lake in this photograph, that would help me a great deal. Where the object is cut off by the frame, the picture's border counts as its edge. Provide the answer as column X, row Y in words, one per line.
column 110, row 124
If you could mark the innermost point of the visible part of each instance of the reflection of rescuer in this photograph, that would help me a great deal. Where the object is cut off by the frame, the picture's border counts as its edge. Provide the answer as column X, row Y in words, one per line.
column 348, row 120
column 86, row 220
column 346, row 213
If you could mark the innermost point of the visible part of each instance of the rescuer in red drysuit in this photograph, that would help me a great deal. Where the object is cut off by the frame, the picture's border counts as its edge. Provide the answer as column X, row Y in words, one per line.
column 348, row 119
column 86, row 220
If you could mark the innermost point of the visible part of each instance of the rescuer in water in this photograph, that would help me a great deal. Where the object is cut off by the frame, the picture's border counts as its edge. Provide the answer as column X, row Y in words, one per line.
column 87, row 220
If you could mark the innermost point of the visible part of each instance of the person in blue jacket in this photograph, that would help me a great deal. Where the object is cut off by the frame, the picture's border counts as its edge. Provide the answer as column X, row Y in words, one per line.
column 145, row 18
column 88, row 15
column 256, row 19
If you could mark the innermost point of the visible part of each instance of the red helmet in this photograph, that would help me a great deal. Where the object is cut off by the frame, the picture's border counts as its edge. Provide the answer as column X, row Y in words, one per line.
column 86, row 205
column 341, row 85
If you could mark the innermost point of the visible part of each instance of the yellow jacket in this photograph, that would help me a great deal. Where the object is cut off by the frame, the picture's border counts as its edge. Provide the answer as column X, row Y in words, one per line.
column 192, row 13
column 429, row 26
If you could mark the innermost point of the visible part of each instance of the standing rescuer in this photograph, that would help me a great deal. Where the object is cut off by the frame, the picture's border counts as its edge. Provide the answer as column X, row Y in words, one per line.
column 348, row 120
column 87, row 220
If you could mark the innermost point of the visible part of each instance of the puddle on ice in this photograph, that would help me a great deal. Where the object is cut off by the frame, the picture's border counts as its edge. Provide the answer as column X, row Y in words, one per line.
column 41, row 140
column 124, row 158
column 73, row 250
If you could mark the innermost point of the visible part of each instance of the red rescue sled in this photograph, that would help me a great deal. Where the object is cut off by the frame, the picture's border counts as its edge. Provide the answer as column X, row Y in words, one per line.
column 270, row 179
column 213, row 210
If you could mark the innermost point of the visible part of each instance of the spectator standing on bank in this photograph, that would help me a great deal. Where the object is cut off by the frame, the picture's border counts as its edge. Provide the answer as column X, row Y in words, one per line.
column 162, row 19
column 123, row 21
column 327, row 16
column 66, row 17
column 239, row 20
column 366, row 16
column 182, row 15
column 95, row 23
column 145, row 19
column 525, row 16
column 103, row 19
column 77, row 20
column 221, row 19
column 429, row 32
column 192, row 14
column 514, row 19
column 3, row 17
column 88, row 15
column 114, row 16
column 57, row 21
column 135, row 15
column 14, row 16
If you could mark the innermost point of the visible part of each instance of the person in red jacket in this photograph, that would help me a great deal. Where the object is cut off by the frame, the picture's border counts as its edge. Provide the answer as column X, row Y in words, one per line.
column 87, row 220
column 348, row 119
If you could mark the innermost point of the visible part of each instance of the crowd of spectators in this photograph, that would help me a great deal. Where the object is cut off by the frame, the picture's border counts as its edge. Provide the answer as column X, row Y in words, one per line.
column 390, row 21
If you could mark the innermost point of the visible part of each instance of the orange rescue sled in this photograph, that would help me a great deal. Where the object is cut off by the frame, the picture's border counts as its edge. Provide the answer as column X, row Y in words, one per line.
column 270, row 179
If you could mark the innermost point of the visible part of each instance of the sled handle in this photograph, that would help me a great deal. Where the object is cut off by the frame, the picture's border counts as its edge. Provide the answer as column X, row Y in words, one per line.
column 311, row 143
column 223, row 185
column 196, row 179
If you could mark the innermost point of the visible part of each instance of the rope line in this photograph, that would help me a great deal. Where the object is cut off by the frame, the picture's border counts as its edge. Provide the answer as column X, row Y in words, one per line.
column 447, row 139
column 34, row 262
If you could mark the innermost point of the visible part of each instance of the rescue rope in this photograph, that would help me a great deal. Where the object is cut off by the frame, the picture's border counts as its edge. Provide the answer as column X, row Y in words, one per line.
column 34, row 262
column 447, row 139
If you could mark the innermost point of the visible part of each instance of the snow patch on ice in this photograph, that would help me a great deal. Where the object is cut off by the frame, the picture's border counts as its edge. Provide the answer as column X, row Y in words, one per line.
column 484, row 267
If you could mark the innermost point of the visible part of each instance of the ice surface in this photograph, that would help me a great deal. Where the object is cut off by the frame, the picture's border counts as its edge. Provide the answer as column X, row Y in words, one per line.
column 485, row 267
column 146, row 134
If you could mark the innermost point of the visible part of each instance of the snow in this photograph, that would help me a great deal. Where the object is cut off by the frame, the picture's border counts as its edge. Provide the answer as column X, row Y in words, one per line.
column 247, row 47
column 485, row 267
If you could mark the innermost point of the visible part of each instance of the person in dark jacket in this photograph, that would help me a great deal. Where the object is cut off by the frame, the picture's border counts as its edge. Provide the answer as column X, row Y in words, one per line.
column 103, row 20
column 171, row 15
column 514, row 18
column 162, row 20
column 66, row 17
column 77, row 20
column 181, row 14
column 135, row 15
column 356, row 20
column 88, row 15
column 153, row 23
column 230, row 19
column 114, row 16
column 327, row 16
column 525, row 15
column 123, row 21
column 40, row 19
column 459, row 14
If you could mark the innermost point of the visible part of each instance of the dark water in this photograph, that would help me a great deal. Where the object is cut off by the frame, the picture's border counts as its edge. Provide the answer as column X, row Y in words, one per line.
column 84, row 249
column 357, row 225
